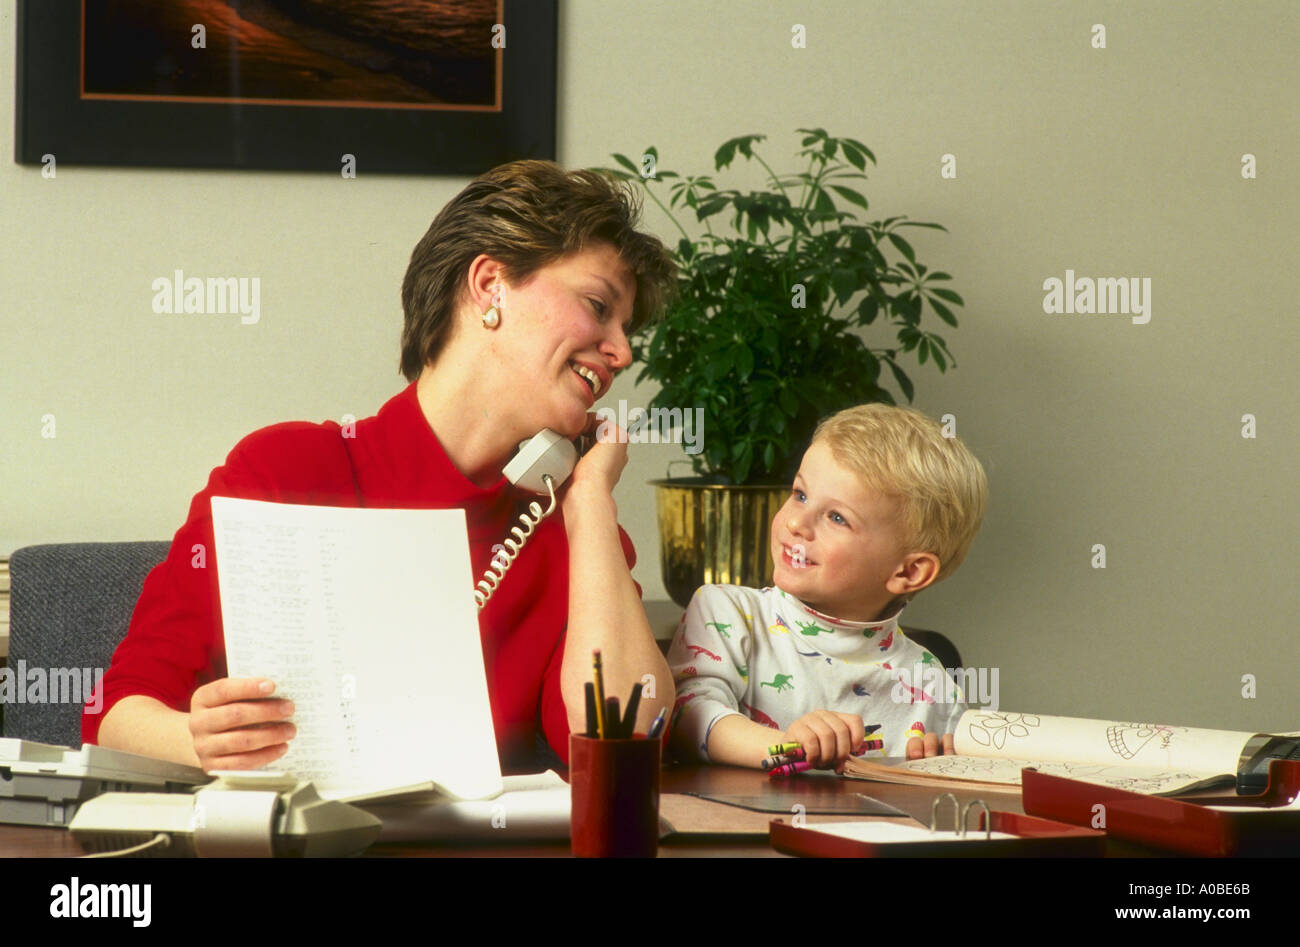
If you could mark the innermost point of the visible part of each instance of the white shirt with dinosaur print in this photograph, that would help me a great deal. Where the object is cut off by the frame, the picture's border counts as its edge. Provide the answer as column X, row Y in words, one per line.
column 767, row 655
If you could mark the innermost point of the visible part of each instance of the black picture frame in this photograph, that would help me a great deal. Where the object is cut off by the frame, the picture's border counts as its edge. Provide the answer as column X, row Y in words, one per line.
column 52, row 118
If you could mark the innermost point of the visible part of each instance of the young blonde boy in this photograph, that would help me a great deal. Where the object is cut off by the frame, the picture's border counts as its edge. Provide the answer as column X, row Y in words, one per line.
column 883, row 506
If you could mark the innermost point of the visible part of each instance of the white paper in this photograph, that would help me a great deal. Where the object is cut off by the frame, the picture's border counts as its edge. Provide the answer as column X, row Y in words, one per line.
column 365, row 619
column 883, row 832
column 534, row 807
column 1106, row 742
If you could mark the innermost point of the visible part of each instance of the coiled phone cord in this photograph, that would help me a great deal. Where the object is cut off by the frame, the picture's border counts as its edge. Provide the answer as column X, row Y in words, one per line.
column 493, row 575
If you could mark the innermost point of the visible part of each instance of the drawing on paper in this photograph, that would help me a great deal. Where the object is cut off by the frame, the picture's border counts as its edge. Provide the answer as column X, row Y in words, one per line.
column 1126, row 739
column 993, row 729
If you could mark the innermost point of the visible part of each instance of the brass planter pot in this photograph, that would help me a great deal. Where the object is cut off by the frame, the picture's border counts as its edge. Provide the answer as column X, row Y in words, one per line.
column 714, row 534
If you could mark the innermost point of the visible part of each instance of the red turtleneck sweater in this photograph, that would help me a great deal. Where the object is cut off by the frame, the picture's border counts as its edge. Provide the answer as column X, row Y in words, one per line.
column 394, row 460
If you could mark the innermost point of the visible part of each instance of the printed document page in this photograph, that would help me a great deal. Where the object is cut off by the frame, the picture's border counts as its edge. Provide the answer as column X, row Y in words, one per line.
column 366, row 620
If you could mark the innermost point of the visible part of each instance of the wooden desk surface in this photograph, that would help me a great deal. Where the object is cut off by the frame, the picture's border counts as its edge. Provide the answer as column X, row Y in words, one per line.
column 19, row 841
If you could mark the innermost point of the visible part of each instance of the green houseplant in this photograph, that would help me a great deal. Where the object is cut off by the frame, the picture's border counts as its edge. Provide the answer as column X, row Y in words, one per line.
column 768, row 330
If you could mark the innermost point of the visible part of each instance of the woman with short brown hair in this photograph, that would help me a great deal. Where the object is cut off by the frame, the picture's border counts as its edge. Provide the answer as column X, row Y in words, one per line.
column 518, row 302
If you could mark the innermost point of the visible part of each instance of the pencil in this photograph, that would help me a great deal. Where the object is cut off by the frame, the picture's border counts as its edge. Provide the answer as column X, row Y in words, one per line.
column 600, row 693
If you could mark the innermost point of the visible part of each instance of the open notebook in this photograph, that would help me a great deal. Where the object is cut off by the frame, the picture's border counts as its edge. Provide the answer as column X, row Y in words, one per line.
column 994, row 746
column 365, row 619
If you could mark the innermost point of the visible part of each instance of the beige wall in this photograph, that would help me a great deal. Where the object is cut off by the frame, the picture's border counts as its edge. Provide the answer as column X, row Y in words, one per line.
column 1116, row 162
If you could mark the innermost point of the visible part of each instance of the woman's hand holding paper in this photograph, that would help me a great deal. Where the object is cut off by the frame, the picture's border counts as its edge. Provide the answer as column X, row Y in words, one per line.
column 237, row 725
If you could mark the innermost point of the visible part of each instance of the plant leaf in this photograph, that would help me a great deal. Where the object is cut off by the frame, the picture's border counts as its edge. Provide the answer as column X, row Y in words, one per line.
column 853, row 154
column 943, row 312
column 938, row 358
column 710, row 206
column 904, row 382
column 860, row 147
column 850, row 195
column 903, row 246
column 844, row 282
column 744, row 360
column 627, row 163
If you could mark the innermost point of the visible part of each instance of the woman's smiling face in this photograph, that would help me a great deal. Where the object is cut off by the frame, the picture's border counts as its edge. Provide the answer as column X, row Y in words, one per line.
column 563, row 333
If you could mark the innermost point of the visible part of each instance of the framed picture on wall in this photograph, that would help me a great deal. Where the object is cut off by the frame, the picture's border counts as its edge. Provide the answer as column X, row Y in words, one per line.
column 396, row 86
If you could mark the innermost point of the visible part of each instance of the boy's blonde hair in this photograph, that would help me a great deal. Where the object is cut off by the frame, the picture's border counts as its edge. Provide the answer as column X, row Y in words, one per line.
column 938, row 484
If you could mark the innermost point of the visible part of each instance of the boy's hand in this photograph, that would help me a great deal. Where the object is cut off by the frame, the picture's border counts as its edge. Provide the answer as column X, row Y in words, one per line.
column 828, row 738
column 929, row 745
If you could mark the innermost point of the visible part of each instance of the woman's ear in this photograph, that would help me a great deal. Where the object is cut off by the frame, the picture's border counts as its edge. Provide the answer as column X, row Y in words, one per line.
column 485, row 283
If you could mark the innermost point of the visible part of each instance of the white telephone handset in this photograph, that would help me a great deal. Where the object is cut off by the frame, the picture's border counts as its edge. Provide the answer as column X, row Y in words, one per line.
column 546, row 455
column 542, row 464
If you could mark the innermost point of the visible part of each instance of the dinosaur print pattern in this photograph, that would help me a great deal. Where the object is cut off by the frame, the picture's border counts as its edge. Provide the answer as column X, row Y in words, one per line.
column 719, row 657
column 812, row 628
column 779, row 627
column 759, row 717
column 916, row 692
column 719, row 626
column 781, row 682
column 678, row 706
column 698, row 651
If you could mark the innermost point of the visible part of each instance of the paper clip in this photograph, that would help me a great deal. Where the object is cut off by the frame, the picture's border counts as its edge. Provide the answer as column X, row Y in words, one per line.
column 959, row 815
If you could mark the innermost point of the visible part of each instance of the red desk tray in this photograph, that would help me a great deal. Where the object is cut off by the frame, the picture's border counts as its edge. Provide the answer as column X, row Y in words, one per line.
column 1261, row 825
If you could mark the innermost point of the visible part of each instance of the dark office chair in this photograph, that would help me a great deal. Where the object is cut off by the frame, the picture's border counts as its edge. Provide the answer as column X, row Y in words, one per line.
column 69, row 607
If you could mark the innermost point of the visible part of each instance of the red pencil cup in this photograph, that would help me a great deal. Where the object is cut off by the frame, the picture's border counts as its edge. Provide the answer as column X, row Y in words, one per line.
column 614, row 786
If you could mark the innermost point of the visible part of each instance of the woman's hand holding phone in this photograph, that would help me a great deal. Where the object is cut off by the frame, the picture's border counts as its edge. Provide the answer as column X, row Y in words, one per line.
column 600, row 467
column 236, row 724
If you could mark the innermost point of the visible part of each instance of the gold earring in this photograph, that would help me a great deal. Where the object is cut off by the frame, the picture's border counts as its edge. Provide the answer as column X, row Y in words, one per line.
column 491, row 318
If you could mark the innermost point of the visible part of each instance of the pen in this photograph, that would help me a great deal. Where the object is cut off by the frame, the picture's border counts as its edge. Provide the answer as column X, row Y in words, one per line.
column 600, row 693
column 629, row 715
column 657, row 727
column 590, row 692
column 613, row 725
